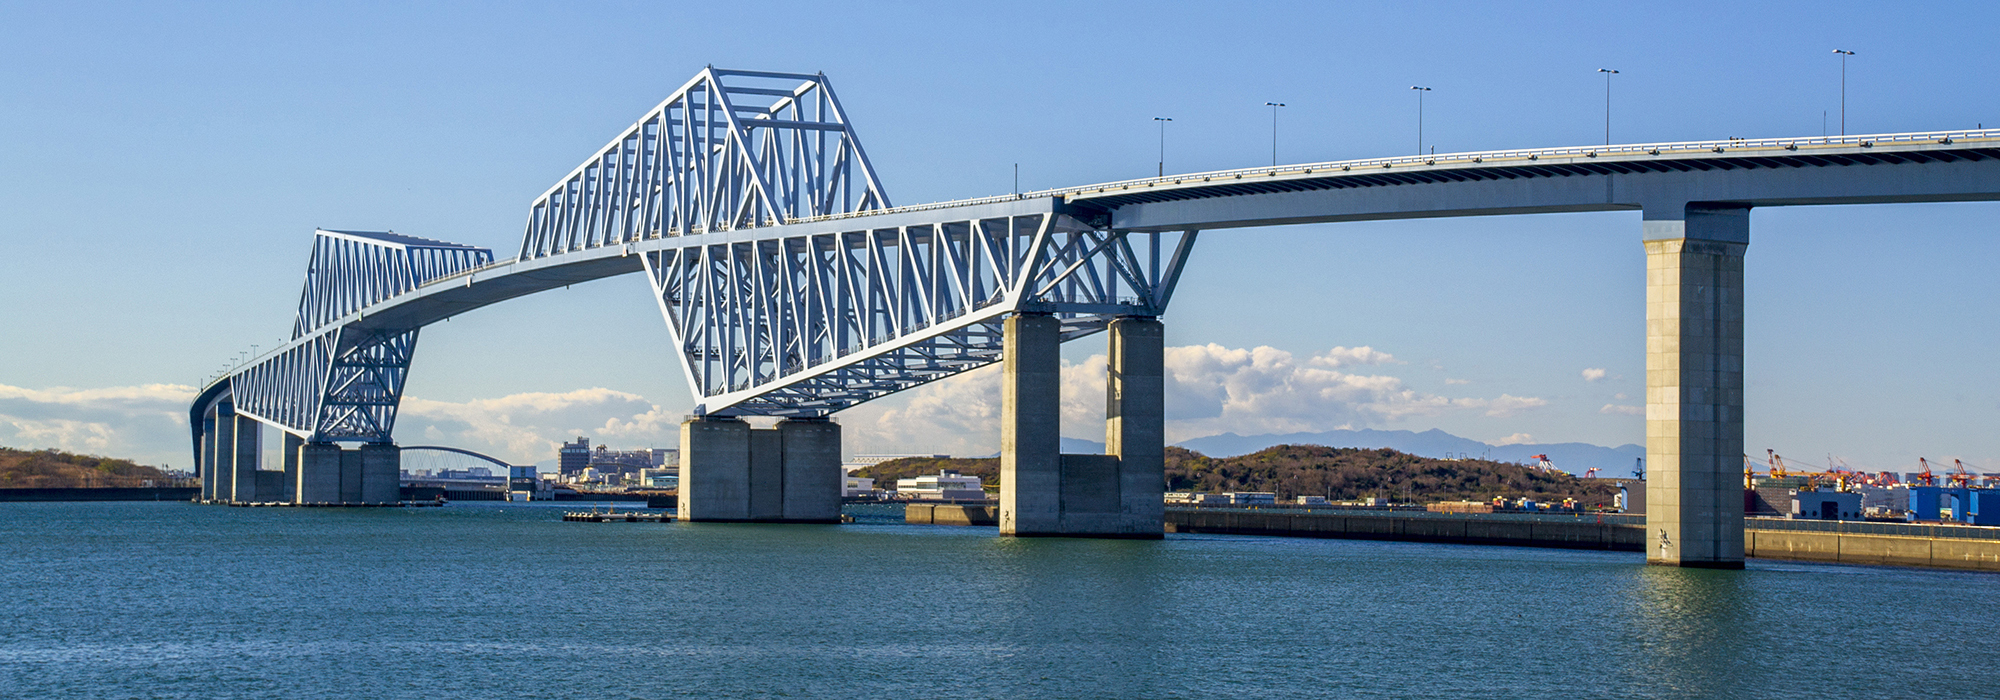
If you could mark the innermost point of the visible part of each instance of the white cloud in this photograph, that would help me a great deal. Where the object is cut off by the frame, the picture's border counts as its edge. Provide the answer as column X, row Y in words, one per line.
column 147, row 423
column 1210, row 389
column 1516, row 439
column 1456, row 382
column 527, row 428
column 1617, row 410
column 1505, row 406
column 1593, row 374
column 1347, row 357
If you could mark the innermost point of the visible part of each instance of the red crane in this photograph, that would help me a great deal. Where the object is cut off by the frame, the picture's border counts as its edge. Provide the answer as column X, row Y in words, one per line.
column 1959, row 476
column 1924, row 477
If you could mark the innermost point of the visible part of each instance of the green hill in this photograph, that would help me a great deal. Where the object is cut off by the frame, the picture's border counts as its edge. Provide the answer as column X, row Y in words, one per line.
column 25, row 469
column 1339, row 474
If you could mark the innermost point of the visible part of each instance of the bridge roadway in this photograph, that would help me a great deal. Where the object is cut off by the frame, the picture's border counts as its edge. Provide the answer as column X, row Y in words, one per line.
column 803, row 304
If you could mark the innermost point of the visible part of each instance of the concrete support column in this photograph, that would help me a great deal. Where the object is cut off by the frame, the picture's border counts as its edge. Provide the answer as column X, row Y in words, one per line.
column 731, row 472
column 1031, row 468
column 812, row 470
column 350, row 477
column 1694, row 388
column 715, row 470
column 210, row 457
column 319, row 473
column 243, row 467
column 289, row 490
column 767, row 475
column 1135, row 423
column 381, row 473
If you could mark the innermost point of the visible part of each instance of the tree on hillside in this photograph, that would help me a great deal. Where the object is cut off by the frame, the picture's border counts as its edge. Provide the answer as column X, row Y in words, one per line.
column 1338, row 474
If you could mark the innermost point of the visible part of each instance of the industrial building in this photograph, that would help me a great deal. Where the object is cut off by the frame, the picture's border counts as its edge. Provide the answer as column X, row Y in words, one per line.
column 857, row 487
column 946, row 485
column 578, row 461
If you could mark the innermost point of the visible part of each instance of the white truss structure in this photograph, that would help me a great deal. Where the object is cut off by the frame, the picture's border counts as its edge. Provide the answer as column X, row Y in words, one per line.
column 788, row 285
column 805, row 323
column 341, row 382
column 729, row 150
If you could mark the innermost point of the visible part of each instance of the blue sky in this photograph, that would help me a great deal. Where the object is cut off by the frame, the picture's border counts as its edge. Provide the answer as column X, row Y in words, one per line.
column 162, row 169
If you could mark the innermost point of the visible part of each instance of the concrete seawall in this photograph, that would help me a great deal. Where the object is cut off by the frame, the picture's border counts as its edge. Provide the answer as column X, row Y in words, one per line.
column 1583, row 533
column 101, row 494
column 1763, row 540
column 1888, row 550
column 947, row 514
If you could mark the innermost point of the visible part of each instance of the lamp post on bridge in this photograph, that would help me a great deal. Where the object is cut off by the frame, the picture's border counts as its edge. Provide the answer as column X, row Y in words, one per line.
column 1607, row 102
column 1163, row 145
column 1420, row 117
column 1274, row 130
column 1844, row 53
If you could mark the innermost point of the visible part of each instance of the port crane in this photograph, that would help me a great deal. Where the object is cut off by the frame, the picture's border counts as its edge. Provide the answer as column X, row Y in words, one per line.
column 1959, row 476
column 1925, row 477
column 1543, row 463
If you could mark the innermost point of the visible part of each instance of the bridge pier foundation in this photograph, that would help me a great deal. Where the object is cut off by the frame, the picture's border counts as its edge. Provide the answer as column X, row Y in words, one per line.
column 381, row 473
column 325, row 473
column 1044, row 493
column 319, row 473
column 731, row 472
column 210, row 449
column 294, row 451
column 243, row 464
column 1694, row 388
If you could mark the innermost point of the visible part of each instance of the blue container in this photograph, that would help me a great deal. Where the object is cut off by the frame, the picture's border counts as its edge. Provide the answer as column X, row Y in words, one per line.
column 1984, row 507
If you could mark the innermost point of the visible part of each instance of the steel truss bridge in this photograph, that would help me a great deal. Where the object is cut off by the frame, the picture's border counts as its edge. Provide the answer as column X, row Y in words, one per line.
column 792, row 286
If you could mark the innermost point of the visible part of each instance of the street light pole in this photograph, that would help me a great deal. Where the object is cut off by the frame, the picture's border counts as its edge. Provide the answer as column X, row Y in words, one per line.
column 1274, row 130
column 1163, row 144
column 1844, row 53
column 1607, row 103
column 1420, row 117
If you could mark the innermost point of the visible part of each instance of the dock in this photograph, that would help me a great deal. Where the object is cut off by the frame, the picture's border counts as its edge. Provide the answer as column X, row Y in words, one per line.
column 630, row 516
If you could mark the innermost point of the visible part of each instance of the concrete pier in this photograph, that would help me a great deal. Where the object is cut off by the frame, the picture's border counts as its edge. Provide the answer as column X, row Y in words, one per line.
column 319, row 473
column 1135, row 429
column 1694, row 387
column 1044, row 493
column 1030, row 427
column 812, row 470
column 242, row 470
column 381, row 473
column 715, row 470
column 350, row 477
column 294, row 449
column 209, row 454
column 731, row 472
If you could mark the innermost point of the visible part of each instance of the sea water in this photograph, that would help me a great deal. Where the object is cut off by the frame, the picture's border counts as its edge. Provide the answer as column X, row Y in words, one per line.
column 175, row 600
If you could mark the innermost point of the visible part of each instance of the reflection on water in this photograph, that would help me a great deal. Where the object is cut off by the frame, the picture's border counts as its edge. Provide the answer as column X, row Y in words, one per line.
column 1691, row 627
column 499, row 600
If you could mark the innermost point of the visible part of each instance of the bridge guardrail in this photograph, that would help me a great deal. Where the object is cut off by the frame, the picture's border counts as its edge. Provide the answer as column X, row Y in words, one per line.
column 1792, row 143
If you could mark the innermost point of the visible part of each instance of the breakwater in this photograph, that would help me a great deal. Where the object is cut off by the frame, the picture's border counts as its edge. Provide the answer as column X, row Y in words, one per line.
column 1889, row 544
column 101, row 494
column 1884, row 544
column 1589, row 531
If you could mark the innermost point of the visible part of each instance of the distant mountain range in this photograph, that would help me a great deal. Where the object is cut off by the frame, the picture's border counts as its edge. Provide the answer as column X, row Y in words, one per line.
column 1573, row 457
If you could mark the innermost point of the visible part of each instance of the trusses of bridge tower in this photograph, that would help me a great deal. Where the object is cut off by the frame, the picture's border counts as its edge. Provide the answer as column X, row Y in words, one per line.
column 351, row 270
column 808, row 322
column 335, row 382
column 729, row 150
